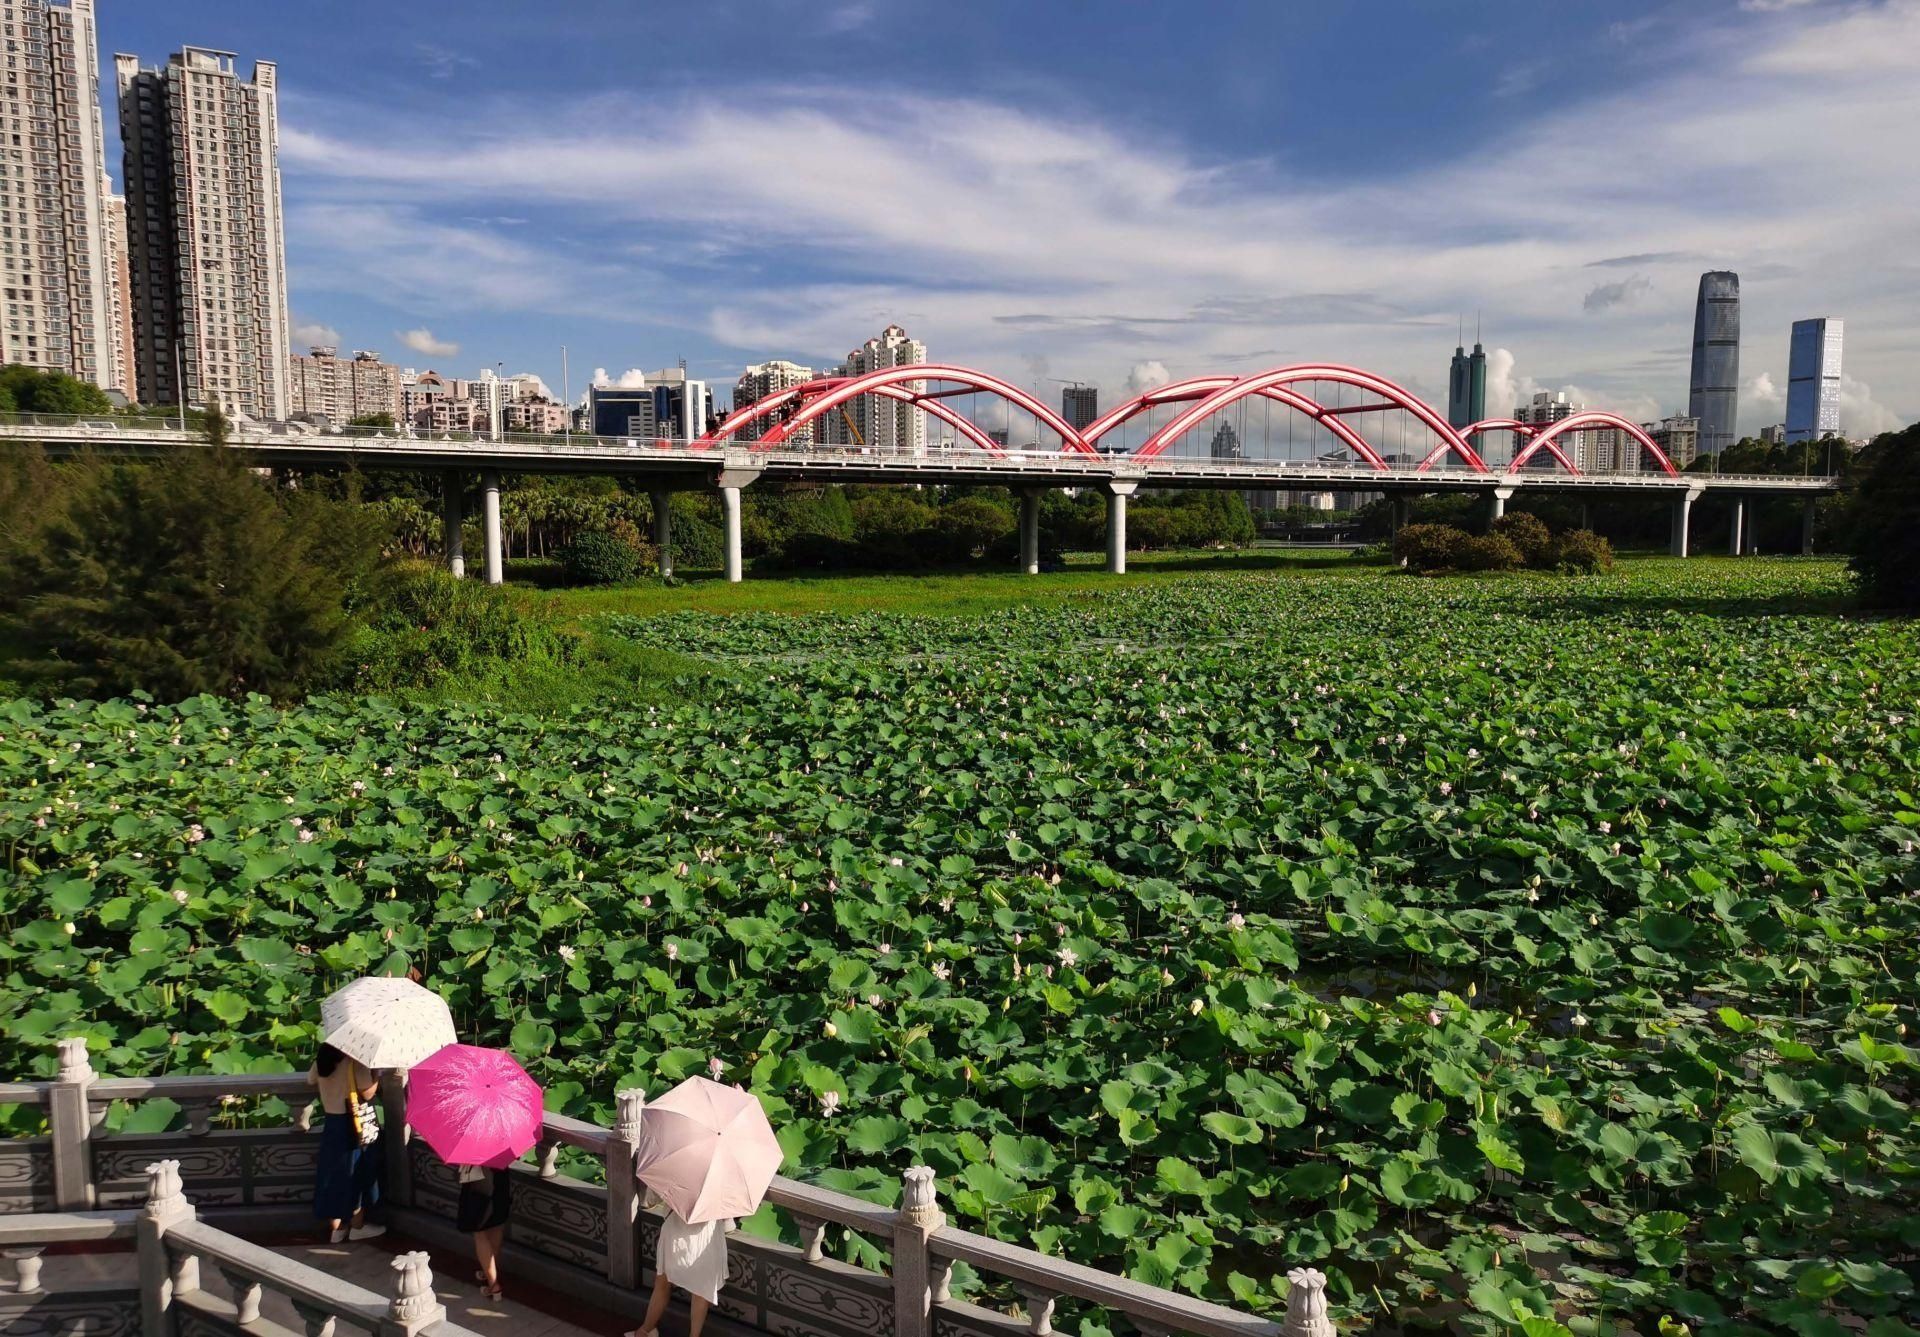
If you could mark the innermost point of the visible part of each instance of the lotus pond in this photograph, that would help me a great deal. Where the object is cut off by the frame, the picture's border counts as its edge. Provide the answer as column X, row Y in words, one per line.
column 1525, row 951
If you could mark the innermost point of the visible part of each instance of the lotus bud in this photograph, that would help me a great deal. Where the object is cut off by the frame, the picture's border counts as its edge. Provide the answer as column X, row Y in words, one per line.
column 829, row 1029
column 1196, row 1007
column 1006, row 1004
column 1345, row 1181
column 391, row 893
column 67, row 929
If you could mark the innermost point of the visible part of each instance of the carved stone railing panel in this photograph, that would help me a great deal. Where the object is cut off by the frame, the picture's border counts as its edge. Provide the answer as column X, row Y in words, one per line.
column 26, row 1175
column 226, row 1168
column 97, row 1311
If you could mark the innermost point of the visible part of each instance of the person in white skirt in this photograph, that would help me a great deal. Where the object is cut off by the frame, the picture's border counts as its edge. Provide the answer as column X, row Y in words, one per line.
column 692, row 1257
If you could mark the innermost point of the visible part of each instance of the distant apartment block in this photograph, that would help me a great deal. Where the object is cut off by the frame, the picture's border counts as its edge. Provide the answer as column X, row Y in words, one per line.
column 1713, row 390
column 1546, row 408
column 344, row 388
column 1813, row 379
column 1774, row 435
column 205, row 234
column 486, row 404
column 886, row 424
column 1679, row 437
column 1079, row 405
column 59, row 252
column 770, row 378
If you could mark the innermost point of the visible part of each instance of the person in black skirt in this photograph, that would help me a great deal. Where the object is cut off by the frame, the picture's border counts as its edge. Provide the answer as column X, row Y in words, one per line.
column 486, row 1197
column 347, row 1169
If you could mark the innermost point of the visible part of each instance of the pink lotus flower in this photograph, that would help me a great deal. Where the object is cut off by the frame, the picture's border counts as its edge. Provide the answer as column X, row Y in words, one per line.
column 673, row 951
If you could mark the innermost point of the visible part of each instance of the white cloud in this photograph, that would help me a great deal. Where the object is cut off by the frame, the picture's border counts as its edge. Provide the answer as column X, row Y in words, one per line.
column 422, row 342
column 630, row 379
column 308, row 334
column 1861, row 415
column 1773, row 6
column 1804, row 184
column 1145, row 376
column 1623, row 293
column 1762, row 401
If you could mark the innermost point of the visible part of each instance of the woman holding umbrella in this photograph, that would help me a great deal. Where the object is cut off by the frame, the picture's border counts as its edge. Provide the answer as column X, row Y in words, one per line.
column 708, row 1153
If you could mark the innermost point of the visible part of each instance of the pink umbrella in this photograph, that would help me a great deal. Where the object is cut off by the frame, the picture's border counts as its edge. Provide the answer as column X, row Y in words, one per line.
column 474, row 1106
column 707, row 1150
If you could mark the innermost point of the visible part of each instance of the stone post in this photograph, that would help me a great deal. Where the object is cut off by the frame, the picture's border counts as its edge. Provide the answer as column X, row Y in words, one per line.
column 1307, row 1304
column 72, row 1127
column 166, row 1208
column 1737, row 536
column 490, row 515
column 1806, row 528
column 414, row 1307
column 1117, row 494
column 453, row 519
column 1030, row 532
column 919, row 1217
column 663, row 530
column 26, row 1267
column 623, row 1190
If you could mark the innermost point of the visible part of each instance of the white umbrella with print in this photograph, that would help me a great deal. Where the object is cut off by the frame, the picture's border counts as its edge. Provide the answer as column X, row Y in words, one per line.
column 383, row 1022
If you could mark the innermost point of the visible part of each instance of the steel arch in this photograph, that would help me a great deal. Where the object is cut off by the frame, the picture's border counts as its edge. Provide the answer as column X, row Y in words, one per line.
column 1522, row 430
column 1592, row 418
column 1259, row 383
column 761, row 407
column 822, row 397
column 1199, row 387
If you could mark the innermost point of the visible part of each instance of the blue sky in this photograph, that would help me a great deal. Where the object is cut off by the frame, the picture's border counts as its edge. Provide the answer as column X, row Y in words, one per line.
column 1111, row 192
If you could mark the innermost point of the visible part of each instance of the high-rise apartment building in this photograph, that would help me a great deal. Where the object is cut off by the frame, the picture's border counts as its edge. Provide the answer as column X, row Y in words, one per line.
column 57, row 256
column 770, row 378
column 343, row 389
column 1774, row 434
column 204, row 230
column 885, row 424
column 1813, row 379
column 1079, row 405
column 1679, row 437
column 1546, row 408
column 1713, row 390
column 1467, row 386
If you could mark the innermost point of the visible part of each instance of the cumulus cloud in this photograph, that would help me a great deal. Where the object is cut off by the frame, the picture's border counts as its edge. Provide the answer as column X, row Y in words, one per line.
column 630, row 379
column 1609, row 295
column 307, row 334
column 1861, row 415
column 1145, row 376
column 1761, row 396
column 422, row 342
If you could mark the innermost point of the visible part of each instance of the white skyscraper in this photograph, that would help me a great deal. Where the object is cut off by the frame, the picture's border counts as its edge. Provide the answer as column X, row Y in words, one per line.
column 886, row 424
column 770, row 378
column 205, row 235
column 1813, row 379
column 57, row 258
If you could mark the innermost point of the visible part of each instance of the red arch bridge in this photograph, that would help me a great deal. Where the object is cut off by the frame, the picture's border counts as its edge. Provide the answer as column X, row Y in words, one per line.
column 1366, row 434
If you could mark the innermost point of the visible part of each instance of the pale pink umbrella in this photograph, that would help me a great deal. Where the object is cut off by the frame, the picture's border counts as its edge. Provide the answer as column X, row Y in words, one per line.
column 474, row 1106
column 707, row 1150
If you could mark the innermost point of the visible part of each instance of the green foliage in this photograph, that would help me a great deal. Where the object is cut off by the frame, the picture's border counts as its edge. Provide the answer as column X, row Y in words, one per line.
column 1429, row 547
column 424, row 626
column 1581, row 550
column 1570, row 989
column 1883, row 522
column 1487, row 552
column 182, row 576
column 600, row 557
column 25, row 390
column 1529, row 536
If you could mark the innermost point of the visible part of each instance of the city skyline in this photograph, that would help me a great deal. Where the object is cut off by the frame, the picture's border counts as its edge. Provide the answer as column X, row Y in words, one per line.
column 1592, row 301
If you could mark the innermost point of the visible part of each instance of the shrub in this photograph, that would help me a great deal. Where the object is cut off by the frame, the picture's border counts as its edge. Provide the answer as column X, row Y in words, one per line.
column 1428, row 547
column 967, row 527
column 1884, row 522
column 1528, row 534
column 1488, row 552
column 1582, row 550
column 600, row 557
column 423, row 625
column 189, row 574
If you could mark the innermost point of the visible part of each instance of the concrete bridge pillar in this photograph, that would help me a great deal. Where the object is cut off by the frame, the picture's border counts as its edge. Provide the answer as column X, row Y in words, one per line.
column 1737, row 538
column 1030, row 532
column 737, row 472
column 1682, row 518
column 1501, row 496
column 1806, row 528
column 1117, row 494
column 494, row 560
column 453, row 519
column 1402, row 508
column 663, row 530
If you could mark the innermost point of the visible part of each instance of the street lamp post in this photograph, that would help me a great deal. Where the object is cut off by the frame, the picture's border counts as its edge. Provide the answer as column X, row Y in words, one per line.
column 566, row 393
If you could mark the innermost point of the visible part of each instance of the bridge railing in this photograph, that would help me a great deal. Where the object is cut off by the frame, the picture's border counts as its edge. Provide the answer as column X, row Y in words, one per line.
column 244, row 1155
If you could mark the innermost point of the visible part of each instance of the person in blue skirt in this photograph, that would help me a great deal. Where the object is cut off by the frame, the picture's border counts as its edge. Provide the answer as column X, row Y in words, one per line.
column 346, row 1177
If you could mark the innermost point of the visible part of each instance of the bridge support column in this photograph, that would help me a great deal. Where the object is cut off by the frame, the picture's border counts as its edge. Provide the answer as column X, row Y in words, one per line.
column 1737, row 538
column 1498, row 505
column 1682, row 518
column 1402, row 507
column 1117, row 494
column 453, row 520
column 663, row 531
column 1806, row 528
column 1586, row 517
column 736, row 472
column 494, row 559
column 1030, row 532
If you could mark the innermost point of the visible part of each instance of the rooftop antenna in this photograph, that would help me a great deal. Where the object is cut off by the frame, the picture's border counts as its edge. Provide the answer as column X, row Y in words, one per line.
column 1476, row 326
column 1460, row 334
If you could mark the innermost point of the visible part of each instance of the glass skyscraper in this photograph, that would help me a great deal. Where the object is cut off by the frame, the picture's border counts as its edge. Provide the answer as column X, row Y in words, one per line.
column 1467, row 387
column 1813, row 379
column 1713, row 394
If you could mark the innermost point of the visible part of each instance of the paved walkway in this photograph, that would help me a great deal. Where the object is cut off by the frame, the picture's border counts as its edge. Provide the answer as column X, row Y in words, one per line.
column 528, row 1310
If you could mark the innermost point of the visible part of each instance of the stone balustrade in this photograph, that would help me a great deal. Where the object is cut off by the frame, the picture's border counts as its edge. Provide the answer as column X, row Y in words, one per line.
column 592, row 1240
